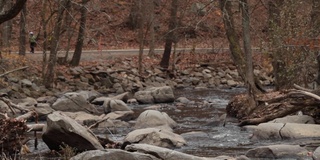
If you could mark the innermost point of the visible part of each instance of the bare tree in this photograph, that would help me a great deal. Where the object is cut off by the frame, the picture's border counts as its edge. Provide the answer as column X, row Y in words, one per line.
column 70, row 31
column 252, row 90
column 315, row 25
column 45, row 35
column 151, row 19
column 141, row 20
column 171, row 36
column 23, row 33
column 81, row 35
column 237, row 54
column 49, row 76
column 315, row 18
column 274, row 28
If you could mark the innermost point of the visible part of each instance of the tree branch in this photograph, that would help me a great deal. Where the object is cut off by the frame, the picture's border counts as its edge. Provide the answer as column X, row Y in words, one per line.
column 13, row 11
column 3, row 74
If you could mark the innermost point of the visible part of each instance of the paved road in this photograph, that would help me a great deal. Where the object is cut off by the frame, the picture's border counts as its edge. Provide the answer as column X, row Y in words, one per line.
column 136, row 51
column 98, row 54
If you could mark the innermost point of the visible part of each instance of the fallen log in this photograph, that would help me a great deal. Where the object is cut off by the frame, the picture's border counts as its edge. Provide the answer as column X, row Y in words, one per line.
column 312, row 95
column 283, row 106
column 26, row 116
column 283, row 113
column 35, row 127
column 12, row 105
column 3, row 74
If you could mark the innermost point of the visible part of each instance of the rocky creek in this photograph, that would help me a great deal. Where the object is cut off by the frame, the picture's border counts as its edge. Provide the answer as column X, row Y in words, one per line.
column 199, row 125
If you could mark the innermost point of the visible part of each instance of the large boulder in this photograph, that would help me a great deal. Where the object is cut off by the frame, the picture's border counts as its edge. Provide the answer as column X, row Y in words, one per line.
column 316, row 154
column 285, row 131
column 89, row 94
column 120, row 115
column 144, row 97
column 157, row 137
column 279, row 152
column 43, row 109
column 154, row 119
column 73, row 102
column 27, row 103
column 167, row 154
column 62, row 130
column 101, row 100
column 115, row 105
column 303, row 119
column 82, row 117
column 4, row 108
column 113, row 154
column 155, row 95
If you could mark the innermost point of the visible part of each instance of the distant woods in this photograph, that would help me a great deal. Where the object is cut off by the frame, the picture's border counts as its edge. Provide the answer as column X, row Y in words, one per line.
column 284, row 32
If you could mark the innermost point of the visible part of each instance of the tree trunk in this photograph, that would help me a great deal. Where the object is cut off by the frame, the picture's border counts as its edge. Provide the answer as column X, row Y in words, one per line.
column 133, row 22
column 274, row 27
column 170, row 37
column 23, row 33
column 141, row 19
column 151, row 26
column 318, row 76
column 68, row 24
column 6, row 26
column 13, row 11
column 234, row 45
column 315, row 20
column 49, row 77
column 252, row 91
column 81, row 35
column 45, row 39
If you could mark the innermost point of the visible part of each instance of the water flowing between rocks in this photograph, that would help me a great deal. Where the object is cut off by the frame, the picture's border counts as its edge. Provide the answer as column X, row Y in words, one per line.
column 199, row 125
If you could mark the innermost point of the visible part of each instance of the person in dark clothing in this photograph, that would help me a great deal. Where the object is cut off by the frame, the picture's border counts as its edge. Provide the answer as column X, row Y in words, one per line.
column 33, row 43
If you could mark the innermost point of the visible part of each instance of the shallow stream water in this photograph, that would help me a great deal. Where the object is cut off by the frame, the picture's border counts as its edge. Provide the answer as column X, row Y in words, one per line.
column 199, row 125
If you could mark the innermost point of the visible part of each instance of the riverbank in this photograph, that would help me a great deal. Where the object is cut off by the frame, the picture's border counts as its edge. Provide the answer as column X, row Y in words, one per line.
column 117, row 74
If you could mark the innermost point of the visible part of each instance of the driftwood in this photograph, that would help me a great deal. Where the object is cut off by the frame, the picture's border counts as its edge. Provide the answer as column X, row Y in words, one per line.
column 282, row 105
column 308, row 94
column 12, row 105
column 35, row 127
column 301, row 88
column 283, row 113
column 26, row 116
column 3, row 74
